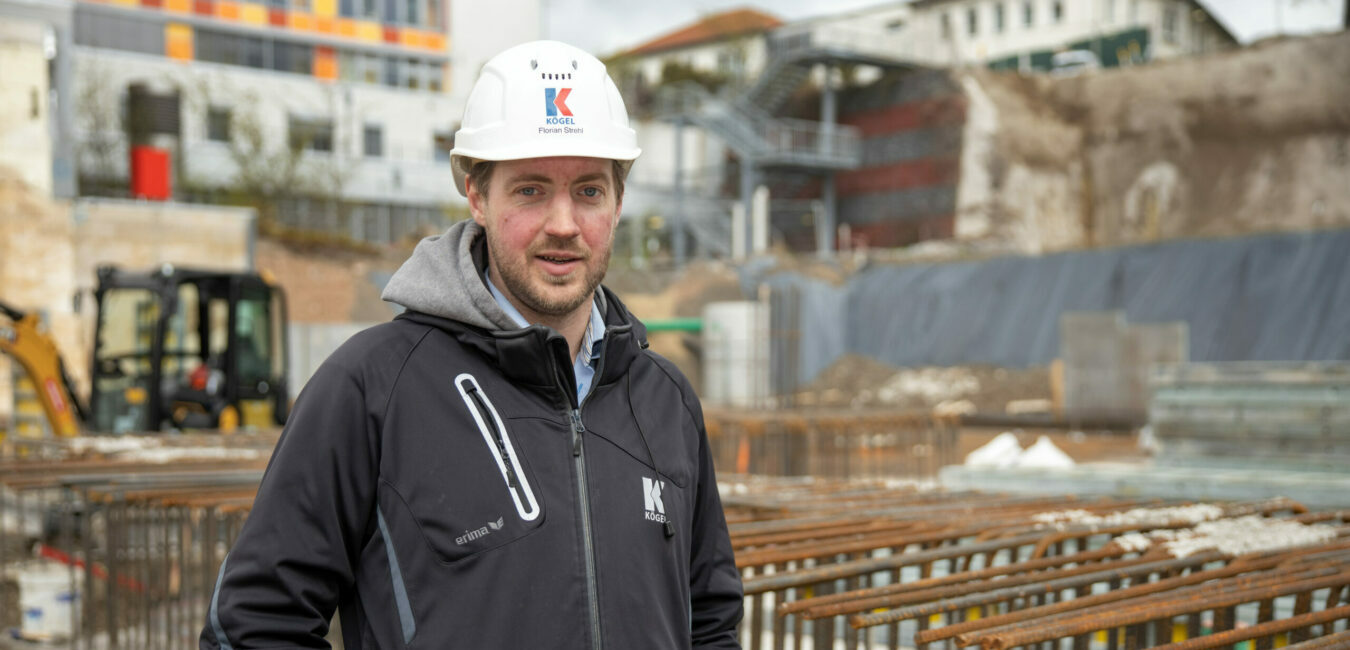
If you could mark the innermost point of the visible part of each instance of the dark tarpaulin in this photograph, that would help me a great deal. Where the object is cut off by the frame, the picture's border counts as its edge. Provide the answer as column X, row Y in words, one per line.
column 1278, row 297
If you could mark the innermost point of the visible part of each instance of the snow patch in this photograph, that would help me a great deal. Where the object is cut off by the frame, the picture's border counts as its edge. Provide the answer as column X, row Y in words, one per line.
column 1044, row 454
column 1002, row 451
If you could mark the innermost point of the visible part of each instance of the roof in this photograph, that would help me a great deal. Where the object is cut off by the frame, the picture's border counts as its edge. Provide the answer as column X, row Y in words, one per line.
column 714, row 27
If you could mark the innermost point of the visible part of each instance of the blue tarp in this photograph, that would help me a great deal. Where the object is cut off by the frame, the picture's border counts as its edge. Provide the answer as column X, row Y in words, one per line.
column 1277, row 297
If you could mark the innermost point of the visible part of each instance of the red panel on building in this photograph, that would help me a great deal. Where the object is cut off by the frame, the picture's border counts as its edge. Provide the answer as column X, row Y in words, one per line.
column 277, row 17
column 924, row 172
column 150, row 173
column 927, row 113
column 154, row 4
column 391, row 34
column 204, row 7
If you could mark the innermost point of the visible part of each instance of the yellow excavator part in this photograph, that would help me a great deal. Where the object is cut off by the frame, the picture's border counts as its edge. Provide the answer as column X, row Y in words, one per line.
column 37, row 354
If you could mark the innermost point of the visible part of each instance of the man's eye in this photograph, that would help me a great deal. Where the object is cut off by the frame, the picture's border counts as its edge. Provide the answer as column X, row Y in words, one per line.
column 528, row 191
column 591, row 192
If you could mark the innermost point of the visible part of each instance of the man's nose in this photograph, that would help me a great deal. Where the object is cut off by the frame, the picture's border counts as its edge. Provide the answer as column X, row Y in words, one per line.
column 562, row 217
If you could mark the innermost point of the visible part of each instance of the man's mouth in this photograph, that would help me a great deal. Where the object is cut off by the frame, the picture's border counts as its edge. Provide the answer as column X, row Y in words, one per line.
column 559, row 263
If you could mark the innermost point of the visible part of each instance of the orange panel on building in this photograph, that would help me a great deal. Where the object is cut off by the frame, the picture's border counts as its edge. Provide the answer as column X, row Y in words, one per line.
column 410, row 38
column 177, row 5
column 178, row 41
column 368, row 31
column 227, row 10
column 324, row 24
column 297, row 20
column 253, row 13
column 436, row 42
column 325, row 63
column 346, row 27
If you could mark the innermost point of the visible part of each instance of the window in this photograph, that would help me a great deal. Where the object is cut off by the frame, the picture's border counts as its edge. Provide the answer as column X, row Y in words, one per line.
column 370, row 69
column 372, row 138
column 369, row 8
column 1169, row 28
column 973, row 21
column 412, row 12
column 411, row 74
column 292, row 57
column 435, row 17
column 946, row 26
column 998, row 18
column 1057, row 10
column 442, row 143
column 436, row 78
column 310, row 134
column 390, row 11
column 347, row 8
column 390, row 71
column 218, row 124
column 349, row 65
column 1028, row 13
column 126, row 33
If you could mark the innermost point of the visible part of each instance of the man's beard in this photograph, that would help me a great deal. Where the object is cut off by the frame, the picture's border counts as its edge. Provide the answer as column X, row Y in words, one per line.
column 516, row 276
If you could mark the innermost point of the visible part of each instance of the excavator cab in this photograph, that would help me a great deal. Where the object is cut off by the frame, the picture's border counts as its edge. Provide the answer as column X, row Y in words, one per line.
column 188, row 349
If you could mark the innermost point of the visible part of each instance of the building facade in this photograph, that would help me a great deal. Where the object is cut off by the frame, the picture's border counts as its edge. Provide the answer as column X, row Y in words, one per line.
column 340, row 114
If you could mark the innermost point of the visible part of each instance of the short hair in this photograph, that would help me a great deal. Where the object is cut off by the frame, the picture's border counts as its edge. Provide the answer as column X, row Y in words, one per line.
column 481, row 176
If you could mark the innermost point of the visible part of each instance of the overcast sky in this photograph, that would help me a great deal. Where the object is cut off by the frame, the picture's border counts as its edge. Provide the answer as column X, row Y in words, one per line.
column 606, row 26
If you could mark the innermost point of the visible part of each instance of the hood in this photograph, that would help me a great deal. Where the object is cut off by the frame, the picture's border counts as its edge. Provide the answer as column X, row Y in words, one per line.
column 444, row 278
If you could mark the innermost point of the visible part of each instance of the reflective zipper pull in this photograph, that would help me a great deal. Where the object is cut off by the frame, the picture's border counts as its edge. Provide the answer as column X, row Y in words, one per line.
column 577, row 428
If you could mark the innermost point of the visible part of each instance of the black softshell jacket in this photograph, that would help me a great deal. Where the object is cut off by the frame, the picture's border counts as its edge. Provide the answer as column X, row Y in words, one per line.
column 439, row 486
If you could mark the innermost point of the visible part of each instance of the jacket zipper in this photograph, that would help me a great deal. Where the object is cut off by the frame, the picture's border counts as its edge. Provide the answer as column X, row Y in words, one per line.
column 578, row 427
column 499, row 443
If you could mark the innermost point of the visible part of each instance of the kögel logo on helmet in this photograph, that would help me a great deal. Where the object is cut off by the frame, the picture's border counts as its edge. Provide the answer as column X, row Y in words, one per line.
column 555, row 101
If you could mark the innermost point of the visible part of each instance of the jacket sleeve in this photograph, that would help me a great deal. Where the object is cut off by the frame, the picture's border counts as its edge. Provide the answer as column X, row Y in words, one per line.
column 715, row 583
column 296, row 553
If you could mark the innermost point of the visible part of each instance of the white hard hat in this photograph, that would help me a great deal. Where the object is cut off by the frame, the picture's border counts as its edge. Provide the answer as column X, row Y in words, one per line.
column 541, row 99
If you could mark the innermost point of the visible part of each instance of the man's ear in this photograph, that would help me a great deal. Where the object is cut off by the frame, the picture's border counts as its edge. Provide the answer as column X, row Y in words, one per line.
column 476, row 201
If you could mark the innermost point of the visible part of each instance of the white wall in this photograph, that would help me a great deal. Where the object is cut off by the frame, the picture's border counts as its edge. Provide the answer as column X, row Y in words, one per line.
column 1081, row 19
column 25, row 140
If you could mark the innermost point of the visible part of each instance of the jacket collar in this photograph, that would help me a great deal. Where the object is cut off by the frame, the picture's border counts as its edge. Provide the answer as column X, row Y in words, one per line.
column 532, row 356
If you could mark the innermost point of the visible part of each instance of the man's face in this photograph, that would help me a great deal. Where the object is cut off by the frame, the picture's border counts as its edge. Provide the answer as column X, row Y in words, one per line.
column 550, row 227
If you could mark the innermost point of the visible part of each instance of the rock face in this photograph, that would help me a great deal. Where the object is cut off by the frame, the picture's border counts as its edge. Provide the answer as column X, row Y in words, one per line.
column 1243, row 141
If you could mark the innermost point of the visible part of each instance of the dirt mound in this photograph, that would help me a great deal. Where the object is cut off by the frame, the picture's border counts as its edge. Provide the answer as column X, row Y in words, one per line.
column 859, row 382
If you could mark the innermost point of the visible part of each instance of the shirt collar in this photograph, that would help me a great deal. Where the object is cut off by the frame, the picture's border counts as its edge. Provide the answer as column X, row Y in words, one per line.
column 595, row 329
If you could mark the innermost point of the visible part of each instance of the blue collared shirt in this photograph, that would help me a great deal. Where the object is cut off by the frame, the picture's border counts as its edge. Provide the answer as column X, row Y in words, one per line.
column 583, row 367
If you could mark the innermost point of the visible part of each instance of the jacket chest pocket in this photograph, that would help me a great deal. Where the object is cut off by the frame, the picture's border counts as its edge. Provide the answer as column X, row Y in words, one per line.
column 499, row 445
column 476, row 491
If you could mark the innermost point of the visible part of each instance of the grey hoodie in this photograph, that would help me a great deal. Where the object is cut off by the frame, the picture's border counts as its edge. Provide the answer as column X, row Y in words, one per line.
column 444, row 277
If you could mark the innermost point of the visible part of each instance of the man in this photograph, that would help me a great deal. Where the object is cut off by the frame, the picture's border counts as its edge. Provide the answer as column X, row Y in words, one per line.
column 505, row 465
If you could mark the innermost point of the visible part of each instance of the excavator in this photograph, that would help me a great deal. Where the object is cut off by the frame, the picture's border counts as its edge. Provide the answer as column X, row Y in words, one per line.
column 174, row 348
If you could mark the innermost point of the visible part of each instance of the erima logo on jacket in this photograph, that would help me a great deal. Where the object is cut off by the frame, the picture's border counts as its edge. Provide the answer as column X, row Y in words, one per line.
column 651, row 498
column 479, row 533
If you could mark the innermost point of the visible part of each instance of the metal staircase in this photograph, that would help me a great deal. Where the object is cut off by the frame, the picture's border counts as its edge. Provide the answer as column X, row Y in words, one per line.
column 744, row 120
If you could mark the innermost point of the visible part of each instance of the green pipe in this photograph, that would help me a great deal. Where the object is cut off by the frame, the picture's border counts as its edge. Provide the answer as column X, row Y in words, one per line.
column 674, row 325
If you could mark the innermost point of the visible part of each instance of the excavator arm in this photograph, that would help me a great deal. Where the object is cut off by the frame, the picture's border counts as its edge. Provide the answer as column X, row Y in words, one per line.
column 37, row 354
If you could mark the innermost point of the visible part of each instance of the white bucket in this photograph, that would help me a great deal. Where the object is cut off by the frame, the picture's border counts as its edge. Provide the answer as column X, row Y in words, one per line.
column 47, row 602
